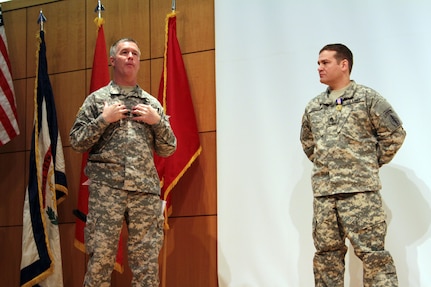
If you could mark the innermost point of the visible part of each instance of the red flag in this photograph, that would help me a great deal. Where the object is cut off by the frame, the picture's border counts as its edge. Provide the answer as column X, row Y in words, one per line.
column 175, row 96
column 99, row 78
column 8, row 115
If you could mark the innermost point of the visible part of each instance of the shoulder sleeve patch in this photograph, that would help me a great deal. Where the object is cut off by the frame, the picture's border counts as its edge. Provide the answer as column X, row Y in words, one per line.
column 390, row 119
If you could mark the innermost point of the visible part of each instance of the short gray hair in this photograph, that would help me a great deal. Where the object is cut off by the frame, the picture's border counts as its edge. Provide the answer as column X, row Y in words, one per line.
column 114, row 46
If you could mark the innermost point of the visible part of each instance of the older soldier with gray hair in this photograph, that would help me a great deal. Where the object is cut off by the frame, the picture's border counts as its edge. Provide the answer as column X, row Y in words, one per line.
column 348, row 132
column 121, row 125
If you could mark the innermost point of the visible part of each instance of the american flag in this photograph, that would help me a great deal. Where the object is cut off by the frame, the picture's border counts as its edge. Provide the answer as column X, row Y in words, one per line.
column 8, row 116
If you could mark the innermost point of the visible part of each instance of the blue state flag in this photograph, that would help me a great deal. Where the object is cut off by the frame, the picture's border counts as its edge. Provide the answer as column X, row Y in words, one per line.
column 47, row 187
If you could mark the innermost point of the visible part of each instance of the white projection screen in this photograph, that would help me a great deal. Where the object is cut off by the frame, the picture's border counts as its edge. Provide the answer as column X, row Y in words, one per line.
column 266, row 72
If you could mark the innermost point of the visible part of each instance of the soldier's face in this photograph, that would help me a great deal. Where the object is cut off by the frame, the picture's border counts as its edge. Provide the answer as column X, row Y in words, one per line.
column 330, row 71
column 126, row 60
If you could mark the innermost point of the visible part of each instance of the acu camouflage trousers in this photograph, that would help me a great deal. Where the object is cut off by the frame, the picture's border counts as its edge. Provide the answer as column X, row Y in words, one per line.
column 361, row 218
column 107, row 209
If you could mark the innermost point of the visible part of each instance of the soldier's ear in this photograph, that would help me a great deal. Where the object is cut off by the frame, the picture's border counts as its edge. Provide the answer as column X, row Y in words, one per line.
column 345, row 65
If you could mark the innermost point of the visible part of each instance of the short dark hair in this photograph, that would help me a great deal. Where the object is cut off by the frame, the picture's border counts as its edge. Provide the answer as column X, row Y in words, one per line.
column 341, row 53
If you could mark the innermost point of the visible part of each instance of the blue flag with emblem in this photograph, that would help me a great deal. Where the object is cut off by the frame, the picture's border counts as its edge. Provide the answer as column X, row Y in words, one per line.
column 47, row 187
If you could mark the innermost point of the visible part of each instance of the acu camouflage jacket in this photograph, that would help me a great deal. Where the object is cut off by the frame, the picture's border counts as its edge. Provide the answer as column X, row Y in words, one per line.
column 349, row 143
column 121, row 153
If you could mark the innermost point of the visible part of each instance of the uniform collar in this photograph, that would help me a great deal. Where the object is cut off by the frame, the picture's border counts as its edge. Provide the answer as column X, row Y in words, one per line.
column 348, row 93
column 115, row 89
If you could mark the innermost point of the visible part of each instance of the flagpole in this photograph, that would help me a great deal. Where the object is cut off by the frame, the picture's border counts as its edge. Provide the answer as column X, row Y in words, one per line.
column 41, row 19
column 99, row 8
column 166, row 230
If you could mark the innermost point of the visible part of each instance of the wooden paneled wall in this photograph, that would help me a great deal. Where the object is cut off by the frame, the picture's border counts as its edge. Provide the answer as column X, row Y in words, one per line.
column 189, row 257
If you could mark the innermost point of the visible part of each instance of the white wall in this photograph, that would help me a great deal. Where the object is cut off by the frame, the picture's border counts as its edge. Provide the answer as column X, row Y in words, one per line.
column 266, row 61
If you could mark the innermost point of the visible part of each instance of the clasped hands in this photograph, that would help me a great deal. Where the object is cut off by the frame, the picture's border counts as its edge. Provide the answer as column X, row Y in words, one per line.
column 141, row 113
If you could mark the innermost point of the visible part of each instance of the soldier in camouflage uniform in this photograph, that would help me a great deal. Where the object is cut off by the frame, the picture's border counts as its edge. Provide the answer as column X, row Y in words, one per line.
column 121, row 125
column 348, row 132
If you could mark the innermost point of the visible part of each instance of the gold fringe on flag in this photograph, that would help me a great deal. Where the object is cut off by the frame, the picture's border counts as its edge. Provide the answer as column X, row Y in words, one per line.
column 99, row 21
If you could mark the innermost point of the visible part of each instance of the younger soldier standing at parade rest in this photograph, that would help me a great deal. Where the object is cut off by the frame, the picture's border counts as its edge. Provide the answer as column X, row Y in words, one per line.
column 348, row 132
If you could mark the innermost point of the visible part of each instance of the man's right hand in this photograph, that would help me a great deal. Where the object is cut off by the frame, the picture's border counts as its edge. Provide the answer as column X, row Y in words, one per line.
column 114, row 112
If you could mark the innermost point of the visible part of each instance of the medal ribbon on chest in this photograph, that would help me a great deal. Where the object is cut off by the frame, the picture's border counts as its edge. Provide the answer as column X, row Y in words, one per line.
column 339, row 103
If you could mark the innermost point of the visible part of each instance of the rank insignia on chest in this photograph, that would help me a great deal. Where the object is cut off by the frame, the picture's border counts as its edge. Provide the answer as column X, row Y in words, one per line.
column 339, row 103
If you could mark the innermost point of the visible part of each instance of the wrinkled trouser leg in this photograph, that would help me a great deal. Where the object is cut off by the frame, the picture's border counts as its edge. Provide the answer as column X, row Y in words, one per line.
column 363, row 218
column 145, row 227
column 105, row 217
column 329, row 241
